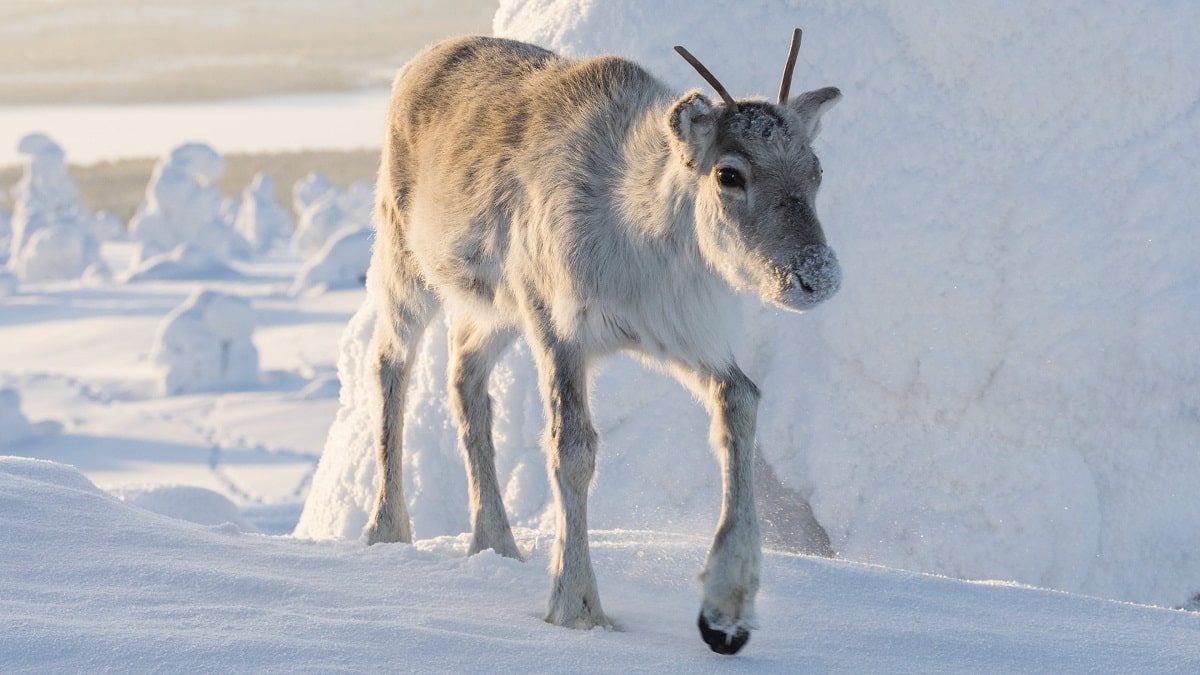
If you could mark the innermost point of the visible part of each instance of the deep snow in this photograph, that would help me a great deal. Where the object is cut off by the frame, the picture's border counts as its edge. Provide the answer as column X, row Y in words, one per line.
column 92, row 583
column 1004, row 389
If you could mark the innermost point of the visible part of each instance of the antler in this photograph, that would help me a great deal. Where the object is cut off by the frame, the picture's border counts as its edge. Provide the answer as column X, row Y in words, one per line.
column 708, row 77
column 790, row 66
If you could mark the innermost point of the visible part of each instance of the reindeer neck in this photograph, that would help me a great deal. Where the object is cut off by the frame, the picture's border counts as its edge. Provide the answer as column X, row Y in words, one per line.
column 658, row 193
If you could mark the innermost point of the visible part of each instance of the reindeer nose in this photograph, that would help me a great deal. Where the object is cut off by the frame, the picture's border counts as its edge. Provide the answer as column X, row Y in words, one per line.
column 816, row 271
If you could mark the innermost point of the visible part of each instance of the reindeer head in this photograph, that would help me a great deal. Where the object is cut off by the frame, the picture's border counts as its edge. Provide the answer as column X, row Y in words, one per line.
column 757, row 184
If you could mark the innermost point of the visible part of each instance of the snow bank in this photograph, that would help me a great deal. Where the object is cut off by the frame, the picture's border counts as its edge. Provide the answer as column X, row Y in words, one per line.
column 1005, row 386
column 231, row 602
column 50, row 235
column 261, row 219
column 341, row 263
column 183, row 206
column 204, row 345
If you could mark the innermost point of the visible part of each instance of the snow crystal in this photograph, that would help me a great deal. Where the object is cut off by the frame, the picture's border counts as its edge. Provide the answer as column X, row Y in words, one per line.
column 204, row 345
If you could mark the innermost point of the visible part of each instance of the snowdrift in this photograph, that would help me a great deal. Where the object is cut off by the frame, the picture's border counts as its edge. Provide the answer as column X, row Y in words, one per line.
column 139, row 591
column 1005, row 386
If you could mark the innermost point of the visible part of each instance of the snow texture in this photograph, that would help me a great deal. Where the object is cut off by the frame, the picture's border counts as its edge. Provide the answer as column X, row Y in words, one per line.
column 205, row 345
column 260, row 218
column 1004, row 387
column 50, row 235
column 131, row 591
column 183, row 206
column 341, row 263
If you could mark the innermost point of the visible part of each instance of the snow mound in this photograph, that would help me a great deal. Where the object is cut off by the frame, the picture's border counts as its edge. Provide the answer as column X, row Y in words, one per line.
column 204, row 345
column 50, row 235
column 1004, row 387
column 14, row 427
column 341, row 263
column 261, row 219
column 328, row 210
column 8, row 283
column 186, row 261
column 183, row 206
column 185, row 502
column 235, row 602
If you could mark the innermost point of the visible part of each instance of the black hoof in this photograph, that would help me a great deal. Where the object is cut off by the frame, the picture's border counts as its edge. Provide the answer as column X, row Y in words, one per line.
column 720, row 641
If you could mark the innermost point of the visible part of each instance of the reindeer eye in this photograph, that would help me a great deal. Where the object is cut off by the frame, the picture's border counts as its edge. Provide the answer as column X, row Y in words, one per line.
column 730, row 178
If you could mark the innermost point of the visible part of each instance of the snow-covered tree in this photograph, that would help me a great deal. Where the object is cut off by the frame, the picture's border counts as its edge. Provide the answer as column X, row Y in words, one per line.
column 204, row 345
column 262, row 219
column 183, row 206
column 50, row 233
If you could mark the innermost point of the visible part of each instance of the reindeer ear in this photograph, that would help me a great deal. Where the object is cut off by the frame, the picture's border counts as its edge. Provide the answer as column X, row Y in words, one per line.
column 693, row 127
column 812, row 104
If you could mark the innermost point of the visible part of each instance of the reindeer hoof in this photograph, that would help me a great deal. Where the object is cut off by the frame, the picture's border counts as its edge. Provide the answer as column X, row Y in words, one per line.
column 720, row 641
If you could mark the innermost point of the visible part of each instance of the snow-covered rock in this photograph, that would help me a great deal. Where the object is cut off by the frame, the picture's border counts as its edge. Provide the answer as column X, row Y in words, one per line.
column 183, row 206
column 205, row 345
column 1004, row 387
column 261, row 219
column 50, row 234
column 341, row 263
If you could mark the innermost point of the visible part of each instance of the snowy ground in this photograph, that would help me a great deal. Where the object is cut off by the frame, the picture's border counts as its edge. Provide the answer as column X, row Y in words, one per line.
column 257, row 447
column 91, row 583
column 1004, row 391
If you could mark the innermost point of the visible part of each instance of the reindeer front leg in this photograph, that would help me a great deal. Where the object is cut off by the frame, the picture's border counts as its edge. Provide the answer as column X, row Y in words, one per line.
column 731, row 571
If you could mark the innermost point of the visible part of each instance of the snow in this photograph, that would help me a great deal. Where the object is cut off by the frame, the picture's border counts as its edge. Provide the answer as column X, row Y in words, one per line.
column 49, row 236
column 156, row 593
column 341, row 263
column 205, row 344
column 326, row 209
column 1002, row 391
column 261, row 219
column 183, row 206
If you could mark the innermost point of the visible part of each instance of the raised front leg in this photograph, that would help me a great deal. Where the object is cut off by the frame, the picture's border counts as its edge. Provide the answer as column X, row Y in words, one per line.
column 473, row 352
column 571, row 443
column 731, row 571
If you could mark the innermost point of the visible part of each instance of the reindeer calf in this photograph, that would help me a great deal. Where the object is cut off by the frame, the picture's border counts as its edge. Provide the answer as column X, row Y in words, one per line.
column 582, row 205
